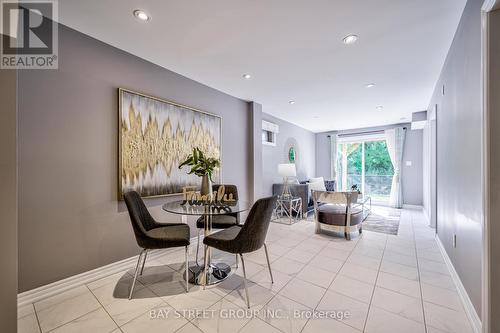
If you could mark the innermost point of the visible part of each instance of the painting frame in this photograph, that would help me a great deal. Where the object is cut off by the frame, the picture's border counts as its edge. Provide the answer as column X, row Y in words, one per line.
column 121, row 91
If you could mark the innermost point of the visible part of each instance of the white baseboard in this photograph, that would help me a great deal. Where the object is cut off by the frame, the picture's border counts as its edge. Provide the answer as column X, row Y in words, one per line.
column 427, row 218
column 474, row 319
column 40, row 293
column 426, row 215
column 418, row 207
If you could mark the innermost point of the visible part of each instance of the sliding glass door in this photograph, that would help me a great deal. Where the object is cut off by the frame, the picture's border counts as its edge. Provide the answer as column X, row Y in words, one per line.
column 350, row 165
column 366, row 164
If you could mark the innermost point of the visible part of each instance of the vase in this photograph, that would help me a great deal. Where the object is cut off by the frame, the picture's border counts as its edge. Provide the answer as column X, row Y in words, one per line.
column 206, row 185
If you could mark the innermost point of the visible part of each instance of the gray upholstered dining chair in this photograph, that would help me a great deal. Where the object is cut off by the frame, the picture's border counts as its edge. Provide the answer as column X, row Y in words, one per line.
column 220, row 221
column 153, row 235
column 245, row 238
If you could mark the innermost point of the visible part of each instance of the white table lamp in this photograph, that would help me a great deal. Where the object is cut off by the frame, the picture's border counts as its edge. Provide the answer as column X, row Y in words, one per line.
column 286, row 170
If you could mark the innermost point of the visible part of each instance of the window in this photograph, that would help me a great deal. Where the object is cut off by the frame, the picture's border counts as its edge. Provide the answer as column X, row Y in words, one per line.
column 269, row 132
column 365, row 162
column 268, row 138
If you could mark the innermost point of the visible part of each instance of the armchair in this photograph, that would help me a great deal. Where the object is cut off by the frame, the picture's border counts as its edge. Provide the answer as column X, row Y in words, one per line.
column 335, row 211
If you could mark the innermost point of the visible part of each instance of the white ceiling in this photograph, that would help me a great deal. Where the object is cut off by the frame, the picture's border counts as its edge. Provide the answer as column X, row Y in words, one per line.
column 292, row 48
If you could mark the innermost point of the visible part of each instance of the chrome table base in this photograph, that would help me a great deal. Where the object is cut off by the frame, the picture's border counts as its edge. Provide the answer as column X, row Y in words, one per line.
column 217, row 273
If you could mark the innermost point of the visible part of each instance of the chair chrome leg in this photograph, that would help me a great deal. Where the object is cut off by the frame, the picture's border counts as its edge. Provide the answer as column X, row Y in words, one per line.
column 236, row 260
column 144, row 261
column 205, row 268
column 187, row 268
column 198, row 248
column 135, row 274
column 245, row 280
column 268, row 263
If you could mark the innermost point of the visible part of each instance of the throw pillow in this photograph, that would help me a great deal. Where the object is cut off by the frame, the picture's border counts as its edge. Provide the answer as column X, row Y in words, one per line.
column 330, row 185
column 317, row 186
column 317, row 180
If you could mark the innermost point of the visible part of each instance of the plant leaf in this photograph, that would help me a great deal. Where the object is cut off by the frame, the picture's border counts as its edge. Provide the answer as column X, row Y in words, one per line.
column 195, row 155
column 186, row 162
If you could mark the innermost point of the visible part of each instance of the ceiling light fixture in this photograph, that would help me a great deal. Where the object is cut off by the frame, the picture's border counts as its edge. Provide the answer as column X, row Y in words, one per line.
column 247, row 76
column 380, row 107
column 370, row 85
column 350, row 39
column 292, row 102
column 141, row 15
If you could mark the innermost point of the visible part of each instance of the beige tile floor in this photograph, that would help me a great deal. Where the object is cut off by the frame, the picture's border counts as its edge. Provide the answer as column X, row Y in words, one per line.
column 386, row 283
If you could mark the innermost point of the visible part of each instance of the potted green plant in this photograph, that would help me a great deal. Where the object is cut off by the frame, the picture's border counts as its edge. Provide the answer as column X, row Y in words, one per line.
column 355, row 188
column 202, row 166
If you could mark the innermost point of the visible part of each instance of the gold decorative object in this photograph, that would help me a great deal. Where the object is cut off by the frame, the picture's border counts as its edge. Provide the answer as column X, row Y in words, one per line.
column 197, row 198
column 154, row 136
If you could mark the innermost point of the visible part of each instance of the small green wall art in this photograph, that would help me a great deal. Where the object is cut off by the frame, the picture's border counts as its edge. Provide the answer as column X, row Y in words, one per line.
column 291, row 155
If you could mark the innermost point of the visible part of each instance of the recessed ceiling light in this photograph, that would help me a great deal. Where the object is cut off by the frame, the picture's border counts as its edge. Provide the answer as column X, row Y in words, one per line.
column 247, row 76
column 141, row 15
column 351, row 39
column 370, row 85
column 380, row 107
column 292, row 102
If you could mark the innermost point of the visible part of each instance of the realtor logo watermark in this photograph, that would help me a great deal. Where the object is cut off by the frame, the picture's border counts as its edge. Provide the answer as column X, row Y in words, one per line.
column 29, row 34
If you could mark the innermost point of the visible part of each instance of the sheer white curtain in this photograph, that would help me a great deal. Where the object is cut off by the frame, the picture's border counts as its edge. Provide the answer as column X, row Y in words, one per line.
column 395, row 138
column 333, row 156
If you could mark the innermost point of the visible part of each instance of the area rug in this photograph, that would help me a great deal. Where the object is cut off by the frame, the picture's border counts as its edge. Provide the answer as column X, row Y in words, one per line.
column 384, row 220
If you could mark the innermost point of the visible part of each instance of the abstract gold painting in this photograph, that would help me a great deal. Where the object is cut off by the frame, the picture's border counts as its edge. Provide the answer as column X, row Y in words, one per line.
column 155, row 136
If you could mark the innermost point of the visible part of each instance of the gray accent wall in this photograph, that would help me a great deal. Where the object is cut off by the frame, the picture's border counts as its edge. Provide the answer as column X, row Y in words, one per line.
column 459, row 189
column 8, row 200
column 256, row 149
column 274, row 155
column 69, row 218
column 411, row 176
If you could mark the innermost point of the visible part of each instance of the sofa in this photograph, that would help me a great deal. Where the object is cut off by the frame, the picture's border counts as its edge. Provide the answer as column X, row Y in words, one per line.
column 302, row 190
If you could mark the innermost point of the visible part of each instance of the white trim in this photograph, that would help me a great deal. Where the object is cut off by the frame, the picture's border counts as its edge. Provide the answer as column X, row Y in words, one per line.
column 427, row 218
column 43, row 292
column 360, row 138
column 490, row 5
column 466, row 302
column 271, row 127
column 418, row 207
column 485, row 251
column 418, row 125
column 266, row 143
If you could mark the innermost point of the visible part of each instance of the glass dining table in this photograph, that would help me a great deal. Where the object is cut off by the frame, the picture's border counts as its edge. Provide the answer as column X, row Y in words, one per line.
column 219, row 271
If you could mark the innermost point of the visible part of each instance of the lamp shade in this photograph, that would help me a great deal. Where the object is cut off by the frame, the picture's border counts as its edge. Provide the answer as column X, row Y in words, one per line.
column 287, row 170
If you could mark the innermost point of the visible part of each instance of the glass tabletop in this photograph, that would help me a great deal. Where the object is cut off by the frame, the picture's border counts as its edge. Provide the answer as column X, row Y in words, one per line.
column 223, row 208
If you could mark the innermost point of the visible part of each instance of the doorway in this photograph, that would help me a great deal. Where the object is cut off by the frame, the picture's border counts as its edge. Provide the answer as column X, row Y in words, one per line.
column 433, row 168
column 364, row 164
